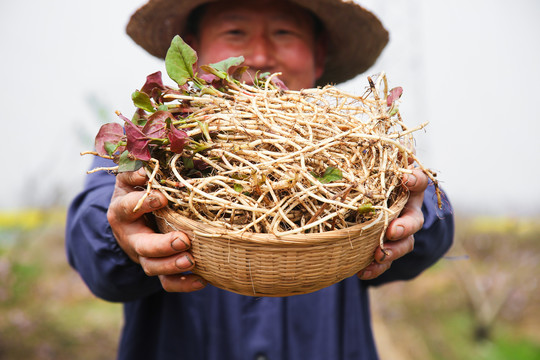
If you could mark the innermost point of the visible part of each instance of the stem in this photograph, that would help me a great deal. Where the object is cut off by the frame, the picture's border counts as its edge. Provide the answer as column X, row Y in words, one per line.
column 269, row 141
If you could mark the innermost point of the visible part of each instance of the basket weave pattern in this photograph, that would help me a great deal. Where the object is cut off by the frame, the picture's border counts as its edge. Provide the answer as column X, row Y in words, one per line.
column 259, row 264
column 282, row 192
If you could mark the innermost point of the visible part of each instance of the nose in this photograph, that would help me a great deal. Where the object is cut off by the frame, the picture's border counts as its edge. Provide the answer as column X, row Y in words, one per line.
column 261, row 55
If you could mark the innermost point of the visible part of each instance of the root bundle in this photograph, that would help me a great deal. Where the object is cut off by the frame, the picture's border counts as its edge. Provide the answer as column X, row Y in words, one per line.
column 285, row 162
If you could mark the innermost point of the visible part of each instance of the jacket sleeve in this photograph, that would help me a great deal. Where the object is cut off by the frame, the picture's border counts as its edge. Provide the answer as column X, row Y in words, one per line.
column 431, row 242
column 92, row 249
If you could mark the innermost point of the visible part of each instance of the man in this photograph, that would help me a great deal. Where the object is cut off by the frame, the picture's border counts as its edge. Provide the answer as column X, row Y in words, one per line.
column 121, row 258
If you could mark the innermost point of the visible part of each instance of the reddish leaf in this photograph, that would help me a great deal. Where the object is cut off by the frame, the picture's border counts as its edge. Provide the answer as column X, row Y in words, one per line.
column 167, row 91
column 178, row 139
column 137, row 143
column 213, row 80
column 156, row 127
column 200, row 165
column 153, row 87
column 209, row 78
column 153, row 81
column 121, row 116
column 279, row 83
column 394, row 95
column 108, row 133
column 239, row 72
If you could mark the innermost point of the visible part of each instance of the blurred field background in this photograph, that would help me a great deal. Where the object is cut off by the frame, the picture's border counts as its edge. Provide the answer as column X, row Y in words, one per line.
column 470, row 68
column 481, row 302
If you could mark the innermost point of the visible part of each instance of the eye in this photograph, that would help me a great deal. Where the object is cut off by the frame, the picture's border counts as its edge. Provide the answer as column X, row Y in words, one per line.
column 283, row 31
column 235, row 32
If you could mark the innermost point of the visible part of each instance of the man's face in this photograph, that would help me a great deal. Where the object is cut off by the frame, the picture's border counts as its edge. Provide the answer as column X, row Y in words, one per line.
column 273, row 36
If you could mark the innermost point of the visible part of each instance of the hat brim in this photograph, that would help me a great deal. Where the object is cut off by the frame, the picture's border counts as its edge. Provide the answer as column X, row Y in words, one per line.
column 355, row 36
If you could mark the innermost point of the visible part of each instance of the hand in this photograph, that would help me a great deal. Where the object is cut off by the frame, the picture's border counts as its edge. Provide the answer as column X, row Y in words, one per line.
column 162, row 255
column 400, row 232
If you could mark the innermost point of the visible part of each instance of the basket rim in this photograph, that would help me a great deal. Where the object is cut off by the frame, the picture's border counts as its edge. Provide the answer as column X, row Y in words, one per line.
column 206, row 230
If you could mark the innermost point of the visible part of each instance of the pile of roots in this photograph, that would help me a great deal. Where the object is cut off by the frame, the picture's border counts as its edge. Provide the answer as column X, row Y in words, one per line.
column 285, row 162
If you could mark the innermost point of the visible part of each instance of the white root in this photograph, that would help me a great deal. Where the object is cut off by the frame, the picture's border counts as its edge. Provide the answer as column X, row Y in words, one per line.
column 269, row 152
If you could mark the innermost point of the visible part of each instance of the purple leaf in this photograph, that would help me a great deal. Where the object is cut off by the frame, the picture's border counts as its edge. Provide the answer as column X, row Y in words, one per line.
column 153, row 87
column 108, row 133
column 178, row 139
column 121, row 116
column 214, row 81
column 239, row 72
column 279, row 83
column 394, row 95
column 168, row 90
column 200, row 165
column 137, row 142
column 152, row 81
column 209, row 78
column 156, row 127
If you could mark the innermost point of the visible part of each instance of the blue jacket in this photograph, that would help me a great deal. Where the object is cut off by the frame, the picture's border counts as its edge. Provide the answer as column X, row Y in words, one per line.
column 213, row 324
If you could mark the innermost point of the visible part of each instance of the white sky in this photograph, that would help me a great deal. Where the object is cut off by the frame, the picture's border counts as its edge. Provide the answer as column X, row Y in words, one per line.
column 470, row 67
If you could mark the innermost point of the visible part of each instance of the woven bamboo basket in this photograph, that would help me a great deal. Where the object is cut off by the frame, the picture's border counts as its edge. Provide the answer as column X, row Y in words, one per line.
column 281, row 192
column 259, row 264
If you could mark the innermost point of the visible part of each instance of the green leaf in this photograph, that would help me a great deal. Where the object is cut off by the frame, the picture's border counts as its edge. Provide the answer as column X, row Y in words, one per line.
column 188, row 162
column 238, row 188
column 263, row 76
column 393, row 110
column 209, row 69
column 126, row 163
column 365, row 208
column 137, row 119
column 226, row 64
column 163, row 107
column 199, row 146
column 260, row 78
column 238, row 72
column 209, row 90
column 330, row 174
column 204, row 130
column 221, row 69
column 180, row 60
column 142, row 101
column 110, row 147
column 238, row 176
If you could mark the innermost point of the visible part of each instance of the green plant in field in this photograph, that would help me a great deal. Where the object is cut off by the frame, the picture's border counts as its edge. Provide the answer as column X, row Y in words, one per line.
column 42, row 301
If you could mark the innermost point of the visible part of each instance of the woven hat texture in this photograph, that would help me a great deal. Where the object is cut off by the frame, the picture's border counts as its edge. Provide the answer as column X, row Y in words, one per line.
column 355, row 36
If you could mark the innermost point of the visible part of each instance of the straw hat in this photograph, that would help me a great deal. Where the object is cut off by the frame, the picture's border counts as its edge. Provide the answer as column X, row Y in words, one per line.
column 356, row 37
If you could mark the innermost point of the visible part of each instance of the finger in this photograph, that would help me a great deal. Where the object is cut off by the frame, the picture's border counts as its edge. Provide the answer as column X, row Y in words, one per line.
column 373, row 270
column 153, row 245
column 411, row 218
column 394, row 250
column 416, row 182
column 132, row 178
column 409, row 222
column 170, row 265
column 139, row 241
column 122, row 208
column 182, row 283
column 130, row 228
